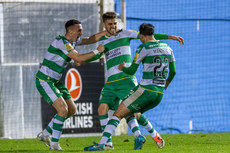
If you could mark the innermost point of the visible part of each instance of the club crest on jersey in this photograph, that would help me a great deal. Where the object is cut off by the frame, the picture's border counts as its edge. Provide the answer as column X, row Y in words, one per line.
column 73, row 83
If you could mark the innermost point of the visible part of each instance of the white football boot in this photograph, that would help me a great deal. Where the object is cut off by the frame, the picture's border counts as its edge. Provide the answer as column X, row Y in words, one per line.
column 43, row 138
column 159, row 141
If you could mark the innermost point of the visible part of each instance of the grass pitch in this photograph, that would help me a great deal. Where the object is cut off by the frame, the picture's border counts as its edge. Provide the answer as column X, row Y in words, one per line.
column 179, row 143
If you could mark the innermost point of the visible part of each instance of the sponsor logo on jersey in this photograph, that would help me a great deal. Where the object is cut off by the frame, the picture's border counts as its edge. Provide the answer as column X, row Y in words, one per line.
column 136, row 56
column 113, row 53
column 68, row 47
column 73, row 83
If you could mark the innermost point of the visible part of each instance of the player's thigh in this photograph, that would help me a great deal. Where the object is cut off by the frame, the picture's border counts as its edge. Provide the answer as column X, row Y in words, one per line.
column 109, row 97
column 122, row 111
column 154, row 100
column 139, row 99
column 61, row 106
column 48, row 91
column 67, row 97
column 124, row 87
column 65, row 92
column 131, row 101
column 71, row 106
column 103, row 109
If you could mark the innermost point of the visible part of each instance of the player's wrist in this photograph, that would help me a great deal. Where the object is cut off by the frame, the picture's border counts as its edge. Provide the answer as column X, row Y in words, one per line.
column 96, row 52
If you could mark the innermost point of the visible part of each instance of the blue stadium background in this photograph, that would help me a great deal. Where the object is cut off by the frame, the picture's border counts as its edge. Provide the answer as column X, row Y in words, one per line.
column 200, row 91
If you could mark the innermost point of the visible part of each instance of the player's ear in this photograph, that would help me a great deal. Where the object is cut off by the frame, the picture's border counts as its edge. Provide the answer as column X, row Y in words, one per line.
column 141, row 36
column 103, row 24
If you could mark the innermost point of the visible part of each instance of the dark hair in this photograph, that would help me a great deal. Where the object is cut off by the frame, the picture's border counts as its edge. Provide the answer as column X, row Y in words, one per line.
column 146, row 29
column 109, row 15
column 71, row 23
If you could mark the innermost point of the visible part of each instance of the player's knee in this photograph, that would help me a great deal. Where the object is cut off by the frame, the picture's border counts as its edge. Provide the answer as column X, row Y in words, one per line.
column 118, row 115
column 103, row 109
column 72, row 110
column 137, row 115
column 63, row 110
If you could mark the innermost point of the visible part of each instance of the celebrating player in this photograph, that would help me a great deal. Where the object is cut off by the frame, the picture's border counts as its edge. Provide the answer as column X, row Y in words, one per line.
column 60, row 52
column 118, row 84
column 157, row 59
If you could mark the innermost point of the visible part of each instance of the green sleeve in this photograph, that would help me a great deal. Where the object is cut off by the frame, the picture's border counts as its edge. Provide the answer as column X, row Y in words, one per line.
column 172, row 71
column 94, row 58
column 160, row 36
column 132, row 69
column 138, row 36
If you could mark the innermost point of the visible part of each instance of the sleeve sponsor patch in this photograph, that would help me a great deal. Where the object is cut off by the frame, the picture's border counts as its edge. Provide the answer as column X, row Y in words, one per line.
column 136, row 56
column 68, row 47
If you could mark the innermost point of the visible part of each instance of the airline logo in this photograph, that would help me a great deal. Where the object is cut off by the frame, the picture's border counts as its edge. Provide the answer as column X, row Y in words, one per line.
column 73, row 83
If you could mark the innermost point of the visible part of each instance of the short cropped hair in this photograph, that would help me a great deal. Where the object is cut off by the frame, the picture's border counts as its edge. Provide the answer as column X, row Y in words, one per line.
column 109, row 15
column 71, row 23
column 146, row 29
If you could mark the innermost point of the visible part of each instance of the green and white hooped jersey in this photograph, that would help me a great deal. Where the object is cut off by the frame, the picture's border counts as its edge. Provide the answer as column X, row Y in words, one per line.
column 117, row 50
column 155, row 57
column 56, row 60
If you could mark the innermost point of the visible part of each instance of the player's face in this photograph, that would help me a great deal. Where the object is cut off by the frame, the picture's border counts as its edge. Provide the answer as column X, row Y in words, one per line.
column 110, row 26
column 77, row 32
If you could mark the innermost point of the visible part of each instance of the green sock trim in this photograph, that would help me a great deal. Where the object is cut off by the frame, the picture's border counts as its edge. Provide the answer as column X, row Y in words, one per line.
column 151, row 131
column 136, row 128
column 54, row 140
column 106, row 134
column 59, row 118
column 101, row 117
column 103, row 128
column 113, row 122
column 49, row 129
column 143, row 120
column 130, row 118
column 109, row 140
column 57, row 127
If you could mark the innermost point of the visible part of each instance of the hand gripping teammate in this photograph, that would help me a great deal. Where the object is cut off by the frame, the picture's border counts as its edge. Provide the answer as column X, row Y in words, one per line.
column 157, row 59
column 59, row 53
column 118, row 84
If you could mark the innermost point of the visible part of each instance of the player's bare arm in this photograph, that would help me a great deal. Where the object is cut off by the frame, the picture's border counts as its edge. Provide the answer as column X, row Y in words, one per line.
column 81, row 58
column 92, row 39
column 178, row 38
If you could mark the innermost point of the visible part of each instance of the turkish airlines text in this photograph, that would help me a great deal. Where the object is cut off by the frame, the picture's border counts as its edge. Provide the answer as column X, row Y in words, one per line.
column 83, row 117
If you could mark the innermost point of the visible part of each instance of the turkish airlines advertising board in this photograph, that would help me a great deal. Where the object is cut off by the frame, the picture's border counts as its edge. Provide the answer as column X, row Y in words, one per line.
column 84, row 84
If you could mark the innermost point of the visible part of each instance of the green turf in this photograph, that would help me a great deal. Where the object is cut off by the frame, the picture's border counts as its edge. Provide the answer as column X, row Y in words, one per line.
column 179, row 143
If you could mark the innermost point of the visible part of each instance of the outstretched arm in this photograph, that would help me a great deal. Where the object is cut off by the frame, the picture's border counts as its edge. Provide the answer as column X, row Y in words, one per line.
column 79, row 58
column 92, row 39
column 178, row 38
column 160, row 36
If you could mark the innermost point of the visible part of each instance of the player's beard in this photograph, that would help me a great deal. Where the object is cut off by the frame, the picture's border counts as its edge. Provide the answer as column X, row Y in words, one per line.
column 112, row 31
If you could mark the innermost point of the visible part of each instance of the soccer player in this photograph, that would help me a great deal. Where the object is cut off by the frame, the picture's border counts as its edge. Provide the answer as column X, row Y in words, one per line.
column 60, row 52
column 118, row 84
column 157, row 59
